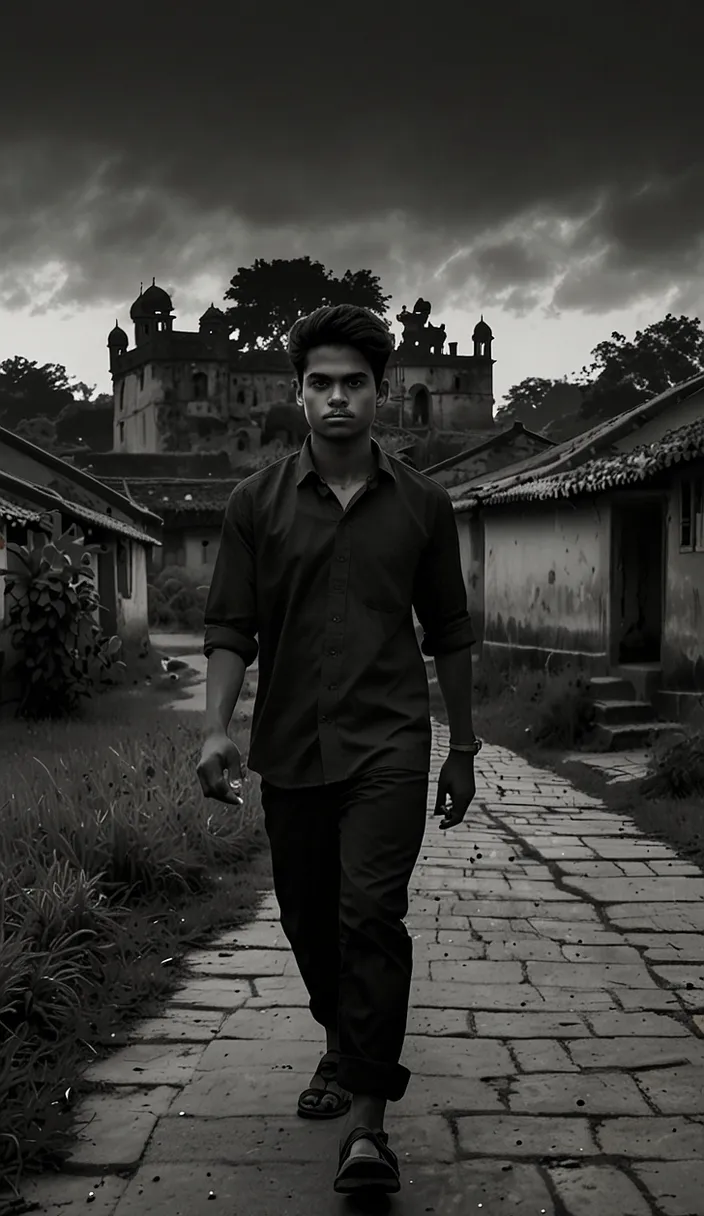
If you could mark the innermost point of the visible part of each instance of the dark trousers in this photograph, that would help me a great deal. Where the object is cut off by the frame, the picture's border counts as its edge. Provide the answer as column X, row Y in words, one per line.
column 342, row 858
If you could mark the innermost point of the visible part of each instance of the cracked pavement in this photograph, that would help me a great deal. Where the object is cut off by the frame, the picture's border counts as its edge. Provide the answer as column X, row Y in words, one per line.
column 555, row 1037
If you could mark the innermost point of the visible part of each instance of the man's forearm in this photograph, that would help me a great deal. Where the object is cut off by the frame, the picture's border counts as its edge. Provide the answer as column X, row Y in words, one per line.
column 223, row 685
column 455, row 677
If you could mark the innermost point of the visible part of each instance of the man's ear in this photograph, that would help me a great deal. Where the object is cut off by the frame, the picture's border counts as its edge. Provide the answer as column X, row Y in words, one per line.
column 382, row 395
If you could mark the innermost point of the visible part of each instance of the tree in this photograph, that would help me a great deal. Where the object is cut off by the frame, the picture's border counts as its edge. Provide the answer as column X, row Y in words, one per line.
column 546, row 406
column 623, row 374
column 29, row 391
column 268, row 297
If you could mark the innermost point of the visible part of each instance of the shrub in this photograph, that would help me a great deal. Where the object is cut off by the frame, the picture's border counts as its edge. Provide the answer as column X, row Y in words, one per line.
column 676, row 765
column 176, row 599
column 564, row 710
column 111, row 861
column 62, row 651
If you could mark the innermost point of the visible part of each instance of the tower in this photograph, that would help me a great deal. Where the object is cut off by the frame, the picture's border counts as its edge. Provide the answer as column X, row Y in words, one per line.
column 117, row 345
column 151, row 313
column 482, row 338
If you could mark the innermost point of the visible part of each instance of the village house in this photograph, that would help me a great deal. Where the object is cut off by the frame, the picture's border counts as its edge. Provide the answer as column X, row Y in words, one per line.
column 33, row 485
column 593, row 551
column 494, row 451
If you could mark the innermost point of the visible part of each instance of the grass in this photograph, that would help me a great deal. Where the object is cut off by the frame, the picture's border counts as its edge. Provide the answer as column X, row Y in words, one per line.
column 112, row 865
column 545, row 719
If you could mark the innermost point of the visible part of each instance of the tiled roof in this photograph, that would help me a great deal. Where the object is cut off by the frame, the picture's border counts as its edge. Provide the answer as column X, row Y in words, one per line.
column 185, row 494
column 606, row 472
column 45, row 499
column 13, row 510
column 575, row 451
column 480, row 440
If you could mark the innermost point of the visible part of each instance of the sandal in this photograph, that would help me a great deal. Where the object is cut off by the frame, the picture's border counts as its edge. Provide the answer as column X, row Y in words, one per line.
column 327, row 1069
column 365, row 1171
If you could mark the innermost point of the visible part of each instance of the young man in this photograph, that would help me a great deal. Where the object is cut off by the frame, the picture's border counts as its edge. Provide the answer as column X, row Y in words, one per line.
column 323, row 555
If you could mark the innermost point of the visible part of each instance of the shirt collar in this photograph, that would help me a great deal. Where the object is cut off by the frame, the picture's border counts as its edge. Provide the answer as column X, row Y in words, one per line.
column 306, row 466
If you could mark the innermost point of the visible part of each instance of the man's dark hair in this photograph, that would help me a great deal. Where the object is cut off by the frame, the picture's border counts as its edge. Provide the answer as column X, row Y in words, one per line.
column 343, row 325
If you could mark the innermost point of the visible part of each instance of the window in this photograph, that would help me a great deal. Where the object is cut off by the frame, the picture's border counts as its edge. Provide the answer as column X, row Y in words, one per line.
column 122, row 395
column 200, row 386
column 204, row 544
column 124, row 568
column 144, row 427
column 141, row 377
column 456, row 384
column 122, row 432
column 692, row 514
column 240, row 396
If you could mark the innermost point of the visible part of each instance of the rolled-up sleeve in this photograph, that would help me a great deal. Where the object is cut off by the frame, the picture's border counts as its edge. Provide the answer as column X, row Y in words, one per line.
column 231, row 608
column 440, row 595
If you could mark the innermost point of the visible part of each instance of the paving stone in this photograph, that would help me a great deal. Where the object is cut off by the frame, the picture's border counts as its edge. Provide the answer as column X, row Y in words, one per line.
column 631, row 849
column 113, row 1128
column 674, row 1091
column 448, row 1057
column 148, row 1064
column 213, row 994
column 191, row 1025
column 677, row 1188
column 64, row 1194
column 648, row 998
column 602, row 954
column 259, row 1141
column 506, row 909
column 579, row 1000
column 283, row 1023
column 265, row 934
column 527, row 949
column 541, row 1055
column 580, row 933
column 437, row 1021
column 568, row 1093
column 598, row 1190
column 524, row 1136
column 589, row 975
column 680, row 977
column 530, row 1025
column 474, row 972
column 437, row 952
column 643, row 1023
column 673, row 1139
column 238, row 962
column 302, row 1189
column 637, row 1052
column 692, row 1000
column 670, row 947
column 616, row 890
column 660, row 917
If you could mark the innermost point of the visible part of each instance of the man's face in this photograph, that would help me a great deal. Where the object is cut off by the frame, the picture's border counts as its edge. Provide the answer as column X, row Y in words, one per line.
column 338, row 394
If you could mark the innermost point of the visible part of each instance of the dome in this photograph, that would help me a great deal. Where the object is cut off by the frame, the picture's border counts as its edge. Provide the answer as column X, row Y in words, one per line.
column 482, row 331
column 150, row 302
column 118, row 337
column 213, row 314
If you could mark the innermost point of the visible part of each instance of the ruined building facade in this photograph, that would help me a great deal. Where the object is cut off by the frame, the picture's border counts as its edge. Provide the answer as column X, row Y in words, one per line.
column 177, row 391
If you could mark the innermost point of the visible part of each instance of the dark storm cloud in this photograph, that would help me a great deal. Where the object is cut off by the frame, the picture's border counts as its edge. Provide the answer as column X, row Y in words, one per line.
column 478, row 154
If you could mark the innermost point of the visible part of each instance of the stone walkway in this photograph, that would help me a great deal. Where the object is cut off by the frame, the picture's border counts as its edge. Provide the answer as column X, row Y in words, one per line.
column 555, row 1038
column 615, row 766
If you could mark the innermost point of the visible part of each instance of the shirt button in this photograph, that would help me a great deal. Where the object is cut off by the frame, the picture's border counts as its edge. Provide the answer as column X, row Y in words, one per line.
column 332, row 687
column 336, row 619
column 332, row 652
column 341, row 558
column 324, row 718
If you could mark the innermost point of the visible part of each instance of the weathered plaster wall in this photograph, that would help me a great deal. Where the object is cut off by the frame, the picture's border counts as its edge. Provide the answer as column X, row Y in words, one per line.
column 461, row 395
column 470, row 533
column 546, row 579
column 682, row 653
column 132, row 611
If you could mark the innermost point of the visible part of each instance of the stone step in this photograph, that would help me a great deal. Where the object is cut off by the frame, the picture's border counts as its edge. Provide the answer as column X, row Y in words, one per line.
column 611, row 688
column 622, row 713
column 632, row 735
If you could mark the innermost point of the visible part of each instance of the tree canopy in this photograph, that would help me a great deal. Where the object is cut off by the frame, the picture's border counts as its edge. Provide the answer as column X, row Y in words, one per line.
column 622, row 373
column 30, row 391
column 268, row 297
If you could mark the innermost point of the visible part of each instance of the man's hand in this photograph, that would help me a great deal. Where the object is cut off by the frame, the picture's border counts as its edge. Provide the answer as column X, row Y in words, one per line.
column 220, row 769
column 456, row 782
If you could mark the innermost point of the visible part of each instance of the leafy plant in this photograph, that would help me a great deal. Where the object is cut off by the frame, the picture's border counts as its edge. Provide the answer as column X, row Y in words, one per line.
column 62, row 651
column 176, row 598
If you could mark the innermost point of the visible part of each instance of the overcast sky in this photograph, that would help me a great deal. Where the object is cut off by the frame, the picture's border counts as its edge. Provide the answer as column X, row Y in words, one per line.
column 540, row 162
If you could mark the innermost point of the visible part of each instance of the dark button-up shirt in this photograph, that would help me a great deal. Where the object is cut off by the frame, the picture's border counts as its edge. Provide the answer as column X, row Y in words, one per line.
column 324, row 596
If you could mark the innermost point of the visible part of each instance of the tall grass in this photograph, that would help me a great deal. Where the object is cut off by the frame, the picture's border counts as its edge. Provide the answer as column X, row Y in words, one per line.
column 111, row 862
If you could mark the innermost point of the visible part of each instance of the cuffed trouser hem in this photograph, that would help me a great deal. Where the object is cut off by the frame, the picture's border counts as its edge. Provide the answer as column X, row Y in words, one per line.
column 379, row 1080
